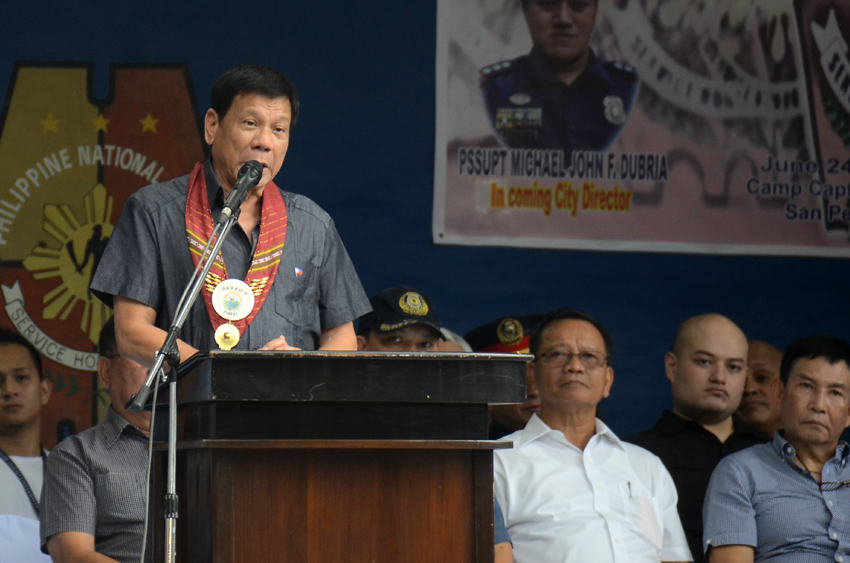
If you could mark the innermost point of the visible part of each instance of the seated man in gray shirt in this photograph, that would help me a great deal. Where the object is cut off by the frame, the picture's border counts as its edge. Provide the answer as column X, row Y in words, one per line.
column 789, row 500
column 92, row 503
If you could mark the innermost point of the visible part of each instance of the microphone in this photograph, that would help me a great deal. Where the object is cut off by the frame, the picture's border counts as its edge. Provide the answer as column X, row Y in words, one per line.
column 248, row 177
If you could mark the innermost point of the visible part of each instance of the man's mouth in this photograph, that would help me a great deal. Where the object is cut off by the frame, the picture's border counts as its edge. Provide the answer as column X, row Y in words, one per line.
column 752, row 403
column 814, row 423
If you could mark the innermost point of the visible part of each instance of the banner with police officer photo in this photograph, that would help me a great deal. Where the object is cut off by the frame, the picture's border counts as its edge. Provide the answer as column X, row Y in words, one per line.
column 644, row 125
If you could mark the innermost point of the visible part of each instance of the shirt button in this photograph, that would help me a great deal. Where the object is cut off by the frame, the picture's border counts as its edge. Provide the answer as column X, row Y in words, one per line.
column 829, row 503
column 834, row 536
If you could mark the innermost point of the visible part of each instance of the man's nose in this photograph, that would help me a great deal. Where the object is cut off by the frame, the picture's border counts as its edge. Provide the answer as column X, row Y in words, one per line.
column 818, row 400
column 749, row 385
column 718, row 374
column 574, row 364
column 564, row 14
column 263, row 139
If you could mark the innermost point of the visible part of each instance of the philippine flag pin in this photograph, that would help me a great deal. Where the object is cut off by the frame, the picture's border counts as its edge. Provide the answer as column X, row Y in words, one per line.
column 299, row 272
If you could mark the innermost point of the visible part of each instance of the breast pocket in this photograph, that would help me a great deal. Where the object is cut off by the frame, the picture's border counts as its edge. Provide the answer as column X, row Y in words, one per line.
column 640, row 508
column 296, row 298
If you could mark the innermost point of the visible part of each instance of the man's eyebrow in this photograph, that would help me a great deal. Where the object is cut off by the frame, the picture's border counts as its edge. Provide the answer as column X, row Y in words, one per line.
column 714, row 356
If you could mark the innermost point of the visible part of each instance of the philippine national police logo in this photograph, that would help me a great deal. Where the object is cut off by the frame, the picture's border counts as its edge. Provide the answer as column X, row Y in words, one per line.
column 509, row 331
column 68, row 162
column 413, row 304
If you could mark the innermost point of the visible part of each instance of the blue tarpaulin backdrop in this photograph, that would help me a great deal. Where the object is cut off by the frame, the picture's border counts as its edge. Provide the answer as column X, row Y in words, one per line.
column 363, row 149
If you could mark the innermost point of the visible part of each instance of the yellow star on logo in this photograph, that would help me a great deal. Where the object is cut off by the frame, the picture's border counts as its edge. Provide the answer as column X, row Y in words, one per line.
column 100, row 123
column 149, row 123
column 50, row 123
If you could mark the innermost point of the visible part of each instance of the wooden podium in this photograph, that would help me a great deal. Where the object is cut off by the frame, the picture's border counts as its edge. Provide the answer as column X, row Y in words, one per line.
column 335, row 457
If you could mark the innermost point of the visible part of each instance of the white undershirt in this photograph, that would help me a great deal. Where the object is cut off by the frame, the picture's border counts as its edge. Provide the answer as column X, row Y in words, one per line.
column 13, row 498
column 19, row 540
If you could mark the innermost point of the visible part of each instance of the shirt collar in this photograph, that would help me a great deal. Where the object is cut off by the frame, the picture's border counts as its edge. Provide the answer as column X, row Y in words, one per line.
column 537, row 71
column 114, row 425
column 672, row 423
column 214, row 189
column 536, row 429
column 787, row 451
column 216, row 194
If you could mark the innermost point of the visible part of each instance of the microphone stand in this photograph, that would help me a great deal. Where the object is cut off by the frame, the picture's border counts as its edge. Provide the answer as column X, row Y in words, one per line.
column 171, row 354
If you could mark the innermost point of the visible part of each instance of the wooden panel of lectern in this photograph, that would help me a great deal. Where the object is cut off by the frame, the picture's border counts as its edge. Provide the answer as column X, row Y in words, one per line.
column 331, row 457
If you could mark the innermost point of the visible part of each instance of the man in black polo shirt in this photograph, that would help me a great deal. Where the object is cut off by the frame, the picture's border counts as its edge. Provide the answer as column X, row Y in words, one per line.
column 707, row 370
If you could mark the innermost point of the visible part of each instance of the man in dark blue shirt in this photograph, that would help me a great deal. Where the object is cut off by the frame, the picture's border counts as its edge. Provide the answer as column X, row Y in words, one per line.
column 561, row 95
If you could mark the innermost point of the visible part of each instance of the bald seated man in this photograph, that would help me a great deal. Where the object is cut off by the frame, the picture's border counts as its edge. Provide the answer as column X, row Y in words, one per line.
column 707, row 369
column 762, row 401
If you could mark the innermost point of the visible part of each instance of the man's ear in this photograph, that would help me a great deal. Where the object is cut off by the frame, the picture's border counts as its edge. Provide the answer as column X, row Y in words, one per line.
column 46, row 388
column 361, row 342
column 211, row 124
column 103, row 372
column 609, row 380
column 671, row 362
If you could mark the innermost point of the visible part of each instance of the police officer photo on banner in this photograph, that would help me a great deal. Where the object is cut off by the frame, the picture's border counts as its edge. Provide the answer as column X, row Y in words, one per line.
column 561, row 95
column 628, row 125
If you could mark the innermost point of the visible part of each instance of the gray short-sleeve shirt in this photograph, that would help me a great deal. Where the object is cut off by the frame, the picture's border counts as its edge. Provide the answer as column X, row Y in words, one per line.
column 94, row 482
column 147, row 260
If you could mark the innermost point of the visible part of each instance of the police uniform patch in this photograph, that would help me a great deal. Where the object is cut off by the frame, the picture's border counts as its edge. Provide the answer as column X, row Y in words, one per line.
column 413, row 304
column 615, row 110
column 518, row 118
column 509, row 331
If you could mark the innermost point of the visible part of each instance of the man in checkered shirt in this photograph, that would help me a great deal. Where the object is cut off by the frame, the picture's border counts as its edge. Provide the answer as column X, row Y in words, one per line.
column 93, row 498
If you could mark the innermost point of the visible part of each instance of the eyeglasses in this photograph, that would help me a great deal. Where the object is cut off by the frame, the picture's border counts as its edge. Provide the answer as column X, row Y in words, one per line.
column 558, row 359
column 828, row 486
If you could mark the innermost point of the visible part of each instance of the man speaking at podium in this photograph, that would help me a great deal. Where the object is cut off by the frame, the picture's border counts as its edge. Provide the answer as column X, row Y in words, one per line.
column 283, row 280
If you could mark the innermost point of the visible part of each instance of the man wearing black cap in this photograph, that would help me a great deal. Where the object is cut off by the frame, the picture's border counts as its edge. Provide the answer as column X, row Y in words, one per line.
column 508, row 335
column 402, row 320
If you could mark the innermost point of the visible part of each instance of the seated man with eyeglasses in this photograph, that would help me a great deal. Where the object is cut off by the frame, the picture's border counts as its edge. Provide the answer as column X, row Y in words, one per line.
column 569, row 489
column 789, row 500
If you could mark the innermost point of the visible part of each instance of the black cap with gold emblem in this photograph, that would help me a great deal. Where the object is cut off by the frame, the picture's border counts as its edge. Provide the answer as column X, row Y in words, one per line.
column 398, row 307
